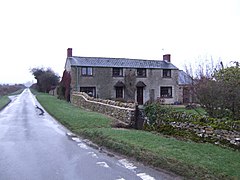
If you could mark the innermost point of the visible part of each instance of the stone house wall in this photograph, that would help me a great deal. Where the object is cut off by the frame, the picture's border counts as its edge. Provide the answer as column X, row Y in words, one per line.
column 180, row 94
column 185, row 94
column 121, row 111
column 104, row 82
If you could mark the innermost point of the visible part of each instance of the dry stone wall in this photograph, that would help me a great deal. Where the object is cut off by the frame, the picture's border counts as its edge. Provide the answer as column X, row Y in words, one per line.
column 232, row 136
column 121, row 111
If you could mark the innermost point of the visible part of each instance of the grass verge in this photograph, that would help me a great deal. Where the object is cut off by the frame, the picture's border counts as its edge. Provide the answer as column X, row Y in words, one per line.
column 188, row 159
column 4, row 101
column 71, row 116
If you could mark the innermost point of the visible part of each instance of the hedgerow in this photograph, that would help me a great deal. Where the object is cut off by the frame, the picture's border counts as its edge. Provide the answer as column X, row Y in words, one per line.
column 161, row 114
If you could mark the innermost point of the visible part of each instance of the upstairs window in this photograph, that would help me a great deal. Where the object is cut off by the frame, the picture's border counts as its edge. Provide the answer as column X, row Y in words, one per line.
column 166, row 92
column 117, row 72
column 87, row 71
column 141, row 73
column 167, row 73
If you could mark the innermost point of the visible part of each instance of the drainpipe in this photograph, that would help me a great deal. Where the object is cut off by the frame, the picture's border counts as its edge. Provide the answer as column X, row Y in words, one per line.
column 77, row 79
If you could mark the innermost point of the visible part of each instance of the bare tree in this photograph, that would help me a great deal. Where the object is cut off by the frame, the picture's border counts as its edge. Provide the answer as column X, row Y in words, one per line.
column 217, row 88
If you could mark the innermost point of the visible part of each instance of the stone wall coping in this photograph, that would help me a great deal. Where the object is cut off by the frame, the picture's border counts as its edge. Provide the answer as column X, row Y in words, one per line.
column 92, row 101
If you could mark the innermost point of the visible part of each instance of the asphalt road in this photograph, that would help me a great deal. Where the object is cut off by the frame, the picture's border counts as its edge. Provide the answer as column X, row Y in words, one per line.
column 34, row 146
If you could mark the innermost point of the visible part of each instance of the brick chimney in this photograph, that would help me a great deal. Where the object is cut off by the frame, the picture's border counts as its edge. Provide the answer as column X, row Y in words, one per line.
column 69, row 52
column 167, row 57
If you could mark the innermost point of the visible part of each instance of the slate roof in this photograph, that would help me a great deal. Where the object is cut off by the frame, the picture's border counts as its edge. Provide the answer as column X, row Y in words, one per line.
column 184, row 78
column 119, row 62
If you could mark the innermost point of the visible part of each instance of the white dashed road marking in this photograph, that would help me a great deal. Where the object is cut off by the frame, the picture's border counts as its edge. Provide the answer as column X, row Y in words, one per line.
column 93, row 154
column 76, row 139
column 83, row 146
column 127, row 164
column 131, row 166
column 103, row 164
column 144, row 176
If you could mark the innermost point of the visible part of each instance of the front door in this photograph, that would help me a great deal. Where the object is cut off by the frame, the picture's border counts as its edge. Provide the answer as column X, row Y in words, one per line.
column 140, row 95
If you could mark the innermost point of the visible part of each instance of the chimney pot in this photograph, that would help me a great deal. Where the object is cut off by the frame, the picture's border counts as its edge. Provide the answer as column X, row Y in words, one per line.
column 167, row 57
column 69, row 52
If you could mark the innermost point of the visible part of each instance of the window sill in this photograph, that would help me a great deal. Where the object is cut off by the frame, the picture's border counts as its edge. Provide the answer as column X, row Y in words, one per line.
column 166, row 97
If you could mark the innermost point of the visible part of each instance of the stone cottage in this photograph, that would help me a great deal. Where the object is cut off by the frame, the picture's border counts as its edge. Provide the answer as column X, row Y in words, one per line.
column 133, row 80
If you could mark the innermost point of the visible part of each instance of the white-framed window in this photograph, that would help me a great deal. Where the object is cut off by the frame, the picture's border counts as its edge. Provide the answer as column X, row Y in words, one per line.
column 141, row 72
column 166, row 92
column 117, row 72
column 91, row 91
column 87, row 71
column 167, row 73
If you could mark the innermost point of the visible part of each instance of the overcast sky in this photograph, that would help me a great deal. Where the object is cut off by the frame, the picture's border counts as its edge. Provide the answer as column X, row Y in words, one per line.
column 37, row 33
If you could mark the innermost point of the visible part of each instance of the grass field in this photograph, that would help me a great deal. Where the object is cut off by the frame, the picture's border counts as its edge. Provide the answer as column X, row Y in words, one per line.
column 188, row 159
